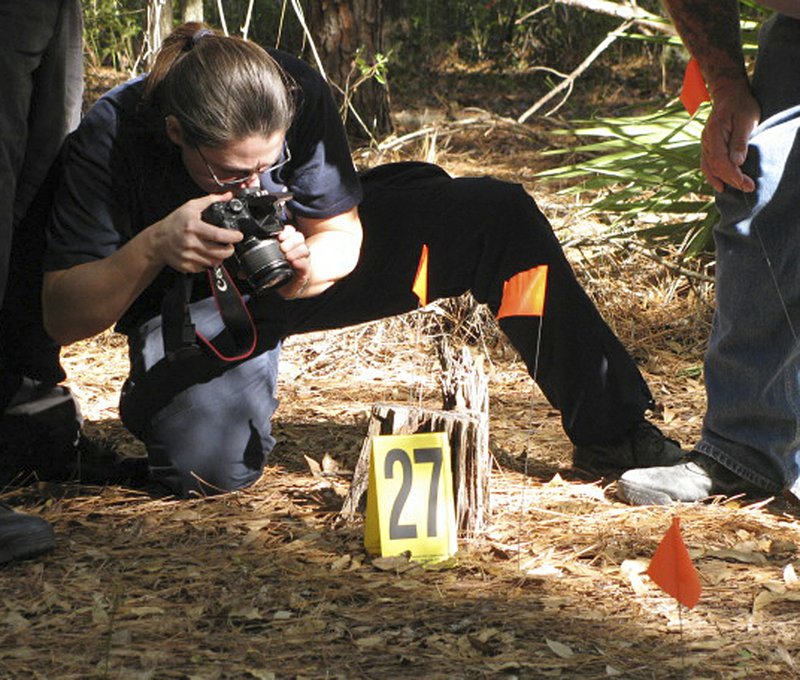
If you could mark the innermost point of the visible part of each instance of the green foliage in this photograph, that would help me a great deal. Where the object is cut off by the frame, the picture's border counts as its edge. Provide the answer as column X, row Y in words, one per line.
column 112, row 31
column 376, row 70
column 644, row 169
column 511, row 33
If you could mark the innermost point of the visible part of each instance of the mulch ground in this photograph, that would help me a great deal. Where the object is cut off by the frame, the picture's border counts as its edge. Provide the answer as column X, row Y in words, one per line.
column 269, row 583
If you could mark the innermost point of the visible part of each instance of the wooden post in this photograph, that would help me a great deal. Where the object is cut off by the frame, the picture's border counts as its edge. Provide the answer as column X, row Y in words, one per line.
column 464, row 385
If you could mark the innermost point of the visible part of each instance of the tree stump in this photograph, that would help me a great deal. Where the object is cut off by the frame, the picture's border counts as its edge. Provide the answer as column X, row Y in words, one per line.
column 464, row 385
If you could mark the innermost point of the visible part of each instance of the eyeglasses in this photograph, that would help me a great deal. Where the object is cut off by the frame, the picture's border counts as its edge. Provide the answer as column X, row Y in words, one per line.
column 233, row 182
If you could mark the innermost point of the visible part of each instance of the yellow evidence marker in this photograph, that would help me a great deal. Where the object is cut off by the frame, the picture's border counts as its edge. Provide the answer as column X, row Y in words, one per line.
column 410, row 504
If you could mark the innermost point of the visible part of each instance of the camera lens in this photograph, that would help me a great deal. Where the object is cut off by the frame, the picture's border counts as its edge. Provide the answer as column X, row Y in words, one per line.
column 263, row 263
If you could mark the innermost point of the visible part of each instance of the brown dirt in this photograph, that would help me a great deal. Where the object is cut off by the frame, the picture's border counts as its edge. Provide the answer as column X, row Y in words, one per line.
column 267, row 584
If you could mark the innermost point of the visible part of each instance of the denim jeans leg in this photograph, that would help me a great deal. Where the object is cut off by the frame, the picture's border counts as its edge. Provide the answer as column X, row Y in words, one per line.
column 213, row 432
column 752, row 368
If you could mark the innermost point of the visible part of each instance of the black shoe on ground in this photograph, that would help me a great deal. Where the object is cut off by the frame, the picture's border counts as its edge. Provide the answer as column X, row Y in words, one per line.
column 644, row 446
column 23, row 536
column 695, row 478
column 98, row 462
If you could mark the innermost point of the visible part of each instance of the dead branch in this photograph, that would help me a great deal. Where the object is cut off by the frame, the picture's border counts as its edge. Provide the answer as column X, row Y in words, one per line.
column 222, row 17
column 483, row 118
column 627, row 11
column 569, row 80
column 624, row 241
column 246, row 28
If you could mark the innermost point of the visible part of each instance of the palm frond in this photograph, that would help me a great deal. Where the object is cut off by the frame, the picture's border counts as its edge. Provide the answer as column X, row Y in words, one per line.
column 642, row 168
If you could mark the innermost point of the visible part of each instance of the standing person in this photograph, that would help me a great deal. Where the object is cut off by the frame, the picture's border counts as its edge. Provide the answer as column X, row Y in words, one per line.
column 751, row 156
column 41, row 70
column 132, row 242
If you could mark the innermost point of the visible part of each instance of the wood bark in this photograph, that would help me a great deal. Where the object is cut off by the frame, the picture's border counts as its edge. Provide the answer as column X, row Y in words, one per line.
column 341, row 29
column 191, row 10
column 159, row 26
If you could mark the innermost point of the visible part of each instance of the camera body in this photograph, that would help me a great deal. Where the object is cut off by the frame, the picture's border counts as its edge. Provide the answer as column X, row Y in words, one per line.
column 255, row 213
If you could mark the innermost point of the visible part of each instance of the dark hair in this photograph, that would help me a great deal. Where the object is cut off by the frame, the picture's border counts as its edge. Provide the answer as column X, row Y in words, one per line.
column 219, row 88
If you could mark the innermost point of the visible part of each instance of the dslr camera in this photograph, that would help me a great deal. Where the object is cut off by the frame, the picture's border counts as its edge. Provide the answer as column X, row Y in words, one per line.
column 257, row 214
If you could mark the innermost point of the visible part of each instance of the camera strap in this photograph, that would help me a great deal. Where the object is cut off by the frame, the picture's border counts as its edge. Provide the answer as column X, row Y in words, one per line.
column 180, row 335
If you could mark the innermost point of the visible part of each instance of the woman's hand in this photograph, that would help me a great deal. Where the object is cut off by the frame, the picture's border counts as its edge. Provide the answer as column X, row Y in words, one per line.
column 294, row 247
column 321, row 251
column 183, row 241
column 87, row 298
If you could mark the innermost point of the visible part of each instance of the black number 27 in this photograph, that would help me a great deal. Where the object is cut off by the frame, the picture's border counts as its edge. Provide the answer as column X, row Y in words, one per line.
column 428, row 455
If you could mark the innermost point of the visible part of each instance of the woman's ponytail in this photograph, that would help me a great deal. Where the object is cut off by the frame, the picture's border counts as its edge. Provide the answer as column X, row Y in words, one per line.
column 219, row 88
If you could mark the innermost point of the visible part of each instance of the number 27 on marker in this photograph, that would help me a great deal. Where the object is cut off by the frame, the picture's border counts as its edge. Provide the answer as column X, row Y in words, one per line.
column 410, row 504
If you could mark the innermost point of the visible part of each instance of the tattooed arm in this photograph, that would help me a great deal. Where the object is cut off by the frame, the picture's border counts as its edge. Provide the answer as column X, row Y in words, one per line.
column 710, row 31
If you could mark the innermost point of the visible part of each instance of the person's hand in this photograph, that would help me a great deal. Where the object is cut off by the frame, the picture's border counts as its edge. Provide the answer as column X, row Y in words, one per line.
column 294, row 247
column 188, row 244
column 734, row 116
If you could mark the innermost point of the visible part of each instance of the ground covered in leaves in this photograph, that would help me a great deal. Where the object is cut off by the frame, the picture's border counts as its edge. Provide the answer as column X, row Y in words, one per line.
column 269, row 583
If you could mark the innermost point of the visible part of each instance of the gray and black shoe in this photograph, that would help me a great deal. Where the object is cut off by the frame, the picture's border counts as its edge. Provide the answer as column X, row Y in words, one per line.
column 644, row 446
column 695, row 478
column 23, row 536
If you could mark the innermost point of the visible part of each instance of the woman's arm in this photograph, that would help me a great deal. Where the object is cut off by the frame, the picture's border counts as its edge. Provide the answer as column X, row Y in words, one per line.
column 321, row 251
column 88, row 298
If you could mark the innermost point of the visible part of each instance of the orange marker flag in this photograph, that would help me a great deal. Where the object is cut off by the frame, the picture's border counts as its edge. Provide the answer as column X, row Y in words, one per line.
column 694, row 91
column 420, row 287
column 672, row 570
column 524, row 293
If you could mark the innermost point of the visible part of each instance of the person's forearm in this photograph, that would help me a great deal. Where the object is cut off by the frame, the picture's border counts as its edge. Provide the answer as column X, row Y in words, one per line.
column 84, row 300
column 333, row 256
column 334, row 246
column 711, row 32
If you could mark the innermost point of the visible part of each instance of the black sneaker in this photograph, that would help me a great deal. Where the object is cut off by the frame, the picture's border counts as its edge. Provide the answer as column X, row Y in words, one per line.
column 695, row 478
column 644, row 446
column 23, row 536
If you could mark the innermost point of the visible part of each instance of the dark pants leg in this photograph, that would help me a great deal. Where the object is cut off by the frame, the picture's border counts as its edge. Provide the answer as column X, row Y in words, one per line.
column 42, row 77
column 481, row 232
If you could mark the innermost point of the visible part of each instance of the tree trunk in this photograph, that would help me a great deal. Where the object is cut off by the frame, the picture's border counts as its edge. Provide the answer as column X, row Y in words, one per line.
column 191, row 10
column 159, row 26
column 468, row 434
column 341, row 29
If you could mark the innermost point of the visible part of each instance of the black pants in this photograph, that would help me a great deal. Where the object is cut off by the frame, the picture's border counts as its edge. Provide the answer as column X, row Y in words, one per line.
column 42, row 75
column 480, row 232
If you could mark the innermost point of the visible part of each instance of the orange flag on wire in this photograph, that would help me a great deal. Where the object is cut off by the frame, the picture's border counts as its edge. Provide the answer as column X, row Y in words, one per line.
column 672, row 570
column 420, row 287
column 694, row 91
column 524, row 293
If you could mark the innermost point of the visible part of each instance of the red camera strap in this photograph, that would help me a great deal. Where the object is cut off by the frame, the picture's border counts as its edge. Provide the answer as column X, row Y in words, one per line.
column 235, row 316
column 180, row 335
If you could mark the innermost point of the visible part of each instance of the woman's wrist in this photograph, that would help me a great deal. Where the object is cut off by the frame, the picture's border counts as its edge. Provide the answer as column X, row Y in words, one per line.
column 299, row 291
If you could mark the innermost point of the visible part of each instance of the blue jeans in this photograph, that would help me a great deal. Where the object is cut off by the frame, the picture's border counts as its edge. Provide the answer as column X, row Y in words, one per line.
column 214, row 433
column 752, row 368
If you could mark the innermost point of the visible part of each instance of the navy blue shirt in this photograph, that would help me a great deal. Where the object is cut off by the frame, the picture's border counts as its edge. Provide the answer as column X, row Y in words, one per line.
column 122, row 174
